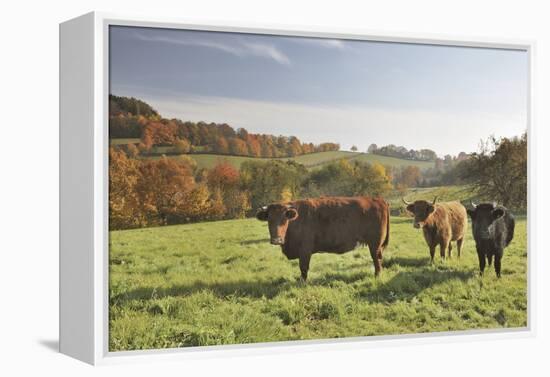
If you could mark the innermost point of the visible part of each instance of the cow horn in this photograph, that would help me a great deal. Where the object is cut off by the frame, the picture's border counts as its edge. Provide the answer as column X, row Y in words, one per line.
column 473, row 204
column 435, row 200
column 406, row 203
column 495, row 204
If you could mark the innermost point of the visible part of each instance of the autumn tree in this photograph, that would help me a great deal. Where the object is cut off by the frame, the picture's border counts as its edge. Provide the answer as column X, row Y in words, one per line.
column 221, row 146
column 225, row 180
column 123, row 199
column 182, row 146
column 162, row 185
column 409, row 176
column 159, row 133
column 238, row 147
column 132, row 150
column 499, row 171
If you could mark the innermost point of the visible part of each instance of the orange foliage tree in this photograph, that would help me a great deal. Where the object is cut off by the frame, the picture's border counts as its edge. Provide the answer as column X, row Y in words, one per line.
column 224, row 179
column 160, row 184
column 123, row 201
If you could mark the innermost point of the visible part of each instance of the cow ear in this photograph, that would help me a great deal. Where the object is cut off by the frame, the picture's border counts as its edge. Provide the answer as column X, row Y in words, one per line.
column 498, row 213
column 410, row 208
column 291, row 214
column 471, row 213
column 261, row 214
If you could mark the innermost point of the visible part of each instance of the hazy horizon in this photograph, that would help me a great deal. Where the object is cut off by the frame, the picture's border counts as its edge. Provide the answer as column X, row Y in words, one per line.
column 325, row 90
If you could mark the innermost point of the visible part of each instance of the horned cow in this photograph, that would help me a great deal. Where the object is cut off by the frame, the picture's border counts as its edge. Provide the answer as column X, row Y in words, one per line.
column 441, row 223
column 493, row 230
column 328, row 224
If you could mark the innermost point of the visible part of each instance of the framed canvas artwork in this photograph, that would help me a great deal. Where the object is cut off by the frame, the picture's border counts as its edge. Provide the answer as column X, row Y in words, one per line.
column 236, row 189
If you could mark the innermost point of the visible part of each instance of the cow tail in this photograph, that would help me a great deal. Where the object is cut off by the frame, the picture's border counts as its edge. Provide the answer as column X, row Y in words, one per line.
column 387, row 240
column 510, row 234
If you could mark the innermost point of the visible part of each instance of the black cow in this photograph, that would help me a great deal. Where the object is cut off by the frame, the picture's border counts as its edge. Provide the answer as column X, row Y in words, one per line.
column 493, row 230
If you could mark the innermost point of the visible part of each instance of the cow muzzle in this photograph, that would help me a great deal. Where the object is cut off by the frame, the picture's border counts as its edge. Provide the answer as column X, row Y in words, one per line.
column 277, row 241
column 418, row 225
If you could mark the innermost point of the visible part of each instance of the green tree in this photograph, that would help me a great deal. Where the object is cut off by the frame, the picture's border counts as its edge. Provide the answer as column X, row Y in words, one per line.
column 499, row 171
column 266, row 181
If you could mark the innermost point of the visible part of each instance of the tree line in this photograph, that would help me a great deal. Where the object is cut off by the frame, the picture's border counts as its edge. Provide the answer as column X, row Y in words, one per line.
column 132, row 118
column 146, row 192
column 398, row 151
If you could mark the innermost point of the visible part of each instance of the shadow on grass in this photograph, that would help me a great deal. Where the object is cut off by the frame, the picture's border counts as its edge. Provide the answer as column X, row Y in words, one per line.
column 329, row 278
column 254, row 289
column 408, row 284
column 406, row 262
column 403, row 286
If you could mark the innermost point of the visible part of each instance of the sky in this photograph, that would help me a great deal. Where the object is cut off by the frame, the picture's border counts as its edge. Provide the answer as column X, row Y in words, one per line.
column 350, row 92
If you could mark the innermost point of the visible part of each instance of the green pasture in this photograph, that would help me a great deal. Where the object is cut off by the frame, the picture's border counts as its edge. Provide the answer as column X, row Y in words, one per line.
column 223, row 283
column 311, row 160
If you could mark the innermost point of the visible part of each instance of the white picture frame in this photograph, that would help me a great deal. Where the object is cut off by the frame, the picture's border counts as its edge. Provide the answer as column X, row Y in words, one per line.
column 84, row 84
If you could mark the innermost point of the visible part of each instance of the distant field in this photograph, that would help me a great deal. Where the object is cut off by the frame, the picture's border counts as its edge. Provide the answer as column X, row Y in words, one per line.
column 311, row 160
column 392, row 161
column 124, row 141
column 223, row 283
column 445, row 193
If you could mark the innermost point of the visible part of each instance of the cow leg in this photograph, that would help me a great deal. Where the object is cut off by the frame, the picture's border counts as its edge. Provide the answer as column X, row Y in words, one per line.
column 481, row 256
column 489, row 259
column 498, row 258
column 432, row 253
column 450, row 248
column 442, row 247
column 376, row 254
column 304, row 265
column 459, row 246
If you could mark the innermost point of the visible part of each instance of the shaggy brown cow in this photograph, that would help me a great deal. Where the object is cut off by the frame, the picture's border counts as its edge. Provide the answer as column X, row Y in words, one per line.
column 441, row 223
column 328, row 224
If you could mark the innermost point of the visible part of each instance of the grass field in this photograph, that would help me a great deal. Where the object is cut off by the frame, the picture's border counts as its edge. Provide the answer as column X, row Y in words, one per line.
column 124, row 141
column 391, row 161
column 444, row 193
column 311, row 160
column 223, row 283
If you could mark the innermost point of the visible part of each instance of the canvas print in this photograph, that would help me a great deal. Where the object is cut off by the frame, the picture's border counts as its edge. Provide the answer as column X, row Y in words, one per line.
column 267, row 188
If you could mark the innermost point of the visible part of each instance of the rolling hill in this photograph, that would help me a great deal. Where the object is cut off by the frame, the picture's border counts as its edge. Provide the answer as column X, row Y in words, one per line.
column 311, row 160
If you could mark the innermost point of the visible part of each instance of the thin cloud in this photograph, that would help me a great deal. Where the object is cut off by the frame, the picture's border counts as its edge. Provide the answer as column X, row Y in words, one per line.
column 235, row 47
column 260, row 49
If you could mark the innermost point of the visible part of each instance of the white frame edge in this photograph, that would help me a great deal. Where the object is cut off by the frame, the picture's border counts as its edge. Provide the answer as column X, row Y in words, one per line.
column 84, row 86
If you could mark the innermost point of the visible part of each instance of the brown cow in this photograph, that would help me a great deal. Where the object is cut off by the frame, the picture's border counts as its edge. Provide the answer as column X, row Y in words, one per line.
column 441, row 223
column 328, row 224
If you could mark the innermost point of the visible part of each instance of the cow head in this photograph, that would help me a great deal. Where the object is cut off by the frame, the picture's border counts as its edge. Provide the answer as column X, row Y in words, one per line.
column 278, row 216
column 483, row 216
column 421, row 210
